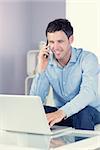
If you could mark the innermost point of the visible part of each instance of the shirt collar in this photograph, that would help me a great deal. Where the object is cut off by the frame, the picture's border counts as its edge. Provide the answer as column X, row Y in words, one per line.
column 73, row 55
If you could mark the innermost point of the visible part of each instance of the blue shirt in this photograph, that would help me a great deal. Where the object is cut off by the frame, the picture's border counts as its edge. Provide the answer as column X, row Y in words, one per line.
column 74, row 86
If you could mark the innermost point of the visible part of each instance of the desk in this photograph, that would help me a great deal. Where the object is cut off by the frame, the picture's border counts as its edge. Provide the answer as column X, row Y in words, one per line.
column 24, row 141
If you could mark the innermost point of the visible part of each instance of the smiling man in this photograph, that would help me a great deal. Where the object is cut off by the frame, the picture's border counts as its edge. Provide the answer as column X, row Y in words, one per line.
column 73, row 75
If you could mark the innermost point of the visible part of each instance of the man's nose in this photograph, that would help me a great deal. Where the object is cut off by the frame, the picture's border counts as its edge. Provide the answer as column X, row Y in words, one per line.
column 55, row 45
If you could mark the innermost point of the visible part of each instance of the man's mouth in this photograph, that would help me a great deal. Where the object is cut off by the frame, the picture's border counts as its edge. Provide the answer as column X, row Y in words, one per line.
column 57, row 53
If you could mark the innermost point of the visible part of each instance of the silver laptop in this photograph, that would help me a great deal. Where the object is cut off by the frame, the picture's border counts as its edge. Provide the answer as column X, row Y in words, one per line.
column 23, row 113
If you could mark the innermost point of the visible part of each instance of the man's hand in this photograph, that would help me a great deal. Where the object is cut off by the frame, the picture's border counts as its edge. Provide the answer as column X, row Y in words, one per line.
column 55, row 117
column 42, row 59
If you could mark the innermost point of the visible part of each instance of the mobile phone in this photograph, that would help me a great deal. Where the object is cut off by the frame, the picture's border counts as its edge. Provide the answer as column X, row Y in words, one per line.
column 46, row 56
column 47, row 43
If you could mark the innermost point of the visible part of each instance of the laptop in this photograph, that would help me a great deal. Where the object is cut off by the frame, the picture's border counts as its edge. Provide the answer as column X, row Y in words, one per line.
column 23, row 113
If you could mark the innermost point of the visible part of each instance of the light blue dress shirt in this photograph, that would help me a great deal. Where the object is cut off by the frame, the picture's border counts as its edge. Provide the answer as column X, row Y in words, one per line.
column 74, row 86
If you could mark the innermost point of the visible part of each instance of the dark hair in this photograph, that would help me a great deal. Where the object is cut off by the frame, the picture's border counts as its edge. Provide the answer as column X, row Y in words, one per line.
column 58, row 25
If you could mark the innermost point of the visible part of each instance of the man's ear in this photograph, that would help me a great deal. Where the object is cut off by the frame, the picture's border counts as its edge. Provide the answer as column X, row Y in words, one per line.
column 71, row 39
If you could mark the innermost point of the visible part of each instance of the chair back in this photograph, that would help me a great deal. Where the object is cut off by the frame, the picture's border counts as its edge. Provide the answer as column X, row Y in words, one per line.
column 31, row 61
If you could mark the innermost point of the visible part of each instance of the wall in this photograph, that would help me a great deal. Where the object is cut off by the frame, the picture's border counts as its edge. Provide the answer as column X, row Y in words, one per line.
column 15, row 40
column 85, row 17
column 43, row 12
column 22, row 26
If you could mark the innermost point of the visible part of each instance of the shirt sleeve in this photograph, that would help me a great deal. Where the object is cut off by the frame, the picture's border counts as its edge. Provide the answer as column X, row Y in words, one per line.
column 40, row 86
column 88, row 88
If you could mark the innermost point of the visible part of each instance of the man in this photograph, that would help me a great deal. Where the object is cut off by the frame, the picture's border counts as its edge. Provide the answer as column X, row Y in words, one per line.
column 72, row 74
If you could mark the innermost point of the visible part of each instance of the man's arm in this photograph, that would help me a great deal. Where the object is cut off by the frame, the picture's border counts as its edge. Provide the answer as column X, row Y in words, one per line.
column 40, row 85
column 88, row 88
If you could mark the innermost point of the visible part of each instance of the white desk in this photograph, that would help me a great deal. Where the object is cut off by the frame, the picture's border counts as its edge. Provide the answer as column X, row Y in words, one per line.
column 23, row 141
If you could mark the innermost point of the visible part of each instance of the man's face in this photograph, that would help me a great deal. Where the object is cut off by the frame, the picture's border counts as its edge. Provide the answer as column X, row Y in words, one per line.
column 59, row 44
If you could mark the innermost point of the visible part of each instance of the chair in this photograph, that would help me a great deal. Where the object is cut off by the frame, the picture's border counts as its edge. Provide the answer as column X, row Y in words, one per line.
column 31, row 68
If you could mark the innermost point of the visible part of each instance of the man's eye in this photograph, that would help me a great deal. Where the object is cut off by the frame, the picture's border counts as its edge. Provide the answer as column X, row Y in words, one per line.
column 51, row 42
column 60, row 41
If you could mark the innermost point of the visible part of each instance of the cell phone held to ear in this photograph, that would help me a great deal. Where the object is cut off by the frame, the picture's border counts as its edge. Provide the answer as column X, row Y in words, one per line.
column 42, row 43
column 46, row 56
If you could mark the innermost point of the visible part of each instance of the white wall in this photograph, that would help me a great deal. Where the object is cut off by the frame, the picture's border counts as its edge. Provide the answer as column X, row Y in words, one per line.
column 85, row 18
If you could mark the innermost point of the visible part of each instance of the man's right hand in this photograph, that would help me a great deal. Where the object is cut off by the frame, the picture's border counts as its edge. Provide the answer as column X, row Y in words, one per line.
column 43, row 59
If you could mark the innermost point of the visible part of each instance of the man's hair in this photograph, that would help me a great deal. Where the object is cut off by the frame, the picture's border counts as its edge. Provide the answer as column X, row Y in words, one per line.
column 60, row 25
